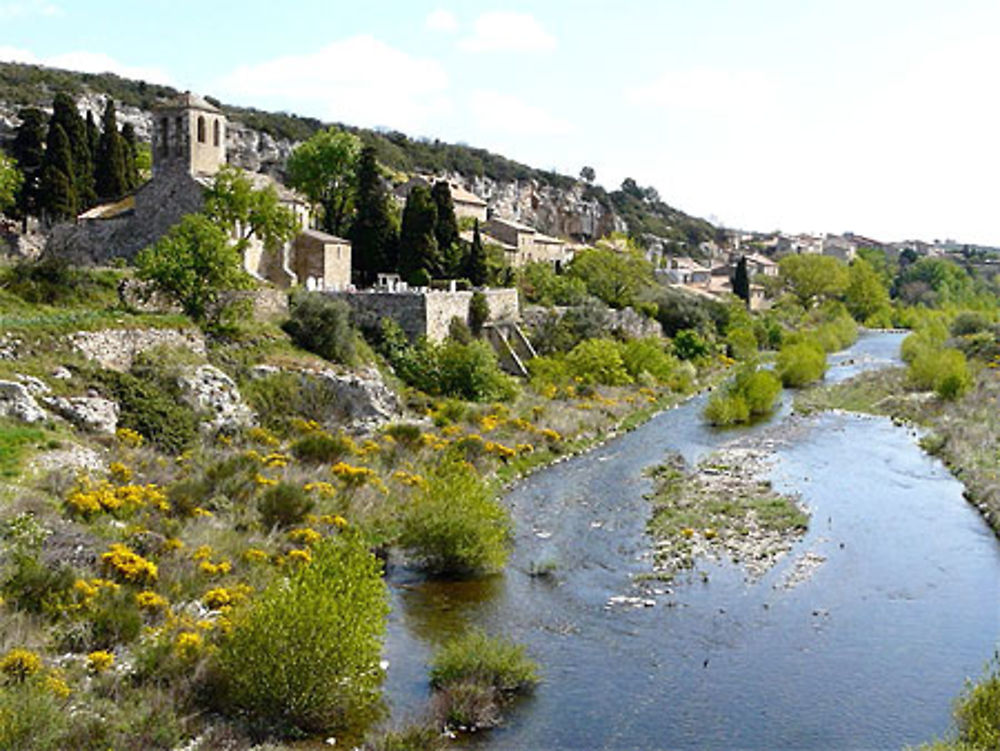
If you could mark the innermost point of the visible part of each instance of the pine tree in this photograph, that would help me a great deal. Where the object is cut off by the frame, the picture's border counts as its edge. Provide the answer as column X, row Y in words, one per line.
column 109, row 164
column 57, row 195
column 65, row 114
column 446, row 230
column 373, row 237
column 28, row 150
column 741, row 281
column 131, row 156
column 418, row 252
column 476, row 269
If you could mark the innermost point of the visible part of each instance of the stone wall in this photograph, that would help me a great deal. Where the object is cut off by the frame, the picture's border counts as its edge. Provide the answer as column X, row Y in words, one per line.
column 117, row 348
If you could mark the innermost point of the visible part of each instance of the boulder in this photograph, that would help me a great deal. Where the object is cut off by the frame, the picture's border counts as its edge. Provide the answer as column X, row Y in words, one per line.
column 35, row 386
column 93, row 413
column 17, row 402
column 208, row 389
column 362, row 397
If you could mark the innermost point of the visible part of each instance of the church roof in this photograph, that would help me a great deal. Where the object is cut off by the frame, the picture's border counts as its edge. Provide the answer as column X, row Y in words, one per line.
column 187, row 100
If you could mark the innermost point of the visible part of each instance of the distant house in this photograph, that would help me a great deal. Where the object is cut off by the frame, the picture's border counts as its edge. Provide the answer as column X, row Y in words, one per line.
column 758, row 265
column 525, row 244
column 840, row 247
column 685, row 270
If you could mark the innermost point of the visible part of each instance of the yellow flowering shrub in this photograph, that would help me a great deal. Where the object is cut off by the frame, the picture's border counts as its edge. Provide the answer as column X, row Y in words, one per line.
column 305, row 536
column 255, row 555
column 276, row 460
column 99, row 661
column 56, row 685
column 202, row 553
column 324, row 489
column 525, row 448
column 263, row 480
column 129, row 437
column 119, row 472
column 550, row 435
column 215, row 569
column 225, row 597
column 299, row 555
column 126, row 564
column 410, row 479
column 89, row 498
column 499, row 450
column 187, row 645
column 353, row 476
column 263, row 436
column 20, row 664
column 150, row 601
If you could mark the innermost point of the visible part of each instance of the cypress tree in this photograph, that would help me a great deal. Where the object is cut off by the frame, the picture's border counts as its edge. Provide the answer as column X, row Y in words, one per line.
column 29, row 151
column 373, row 237
column 446, row 229
column 65, row 114
column 418, row 251
column 476, row 269
column 109, row 165
column 131, row 156
column 93, row 135
column 57, row 195
column 741, row 281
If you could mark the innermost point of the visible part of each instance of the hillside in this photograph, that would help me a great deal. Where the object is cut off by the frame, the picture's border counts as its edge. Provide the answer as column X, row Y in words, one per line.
column 556, row 204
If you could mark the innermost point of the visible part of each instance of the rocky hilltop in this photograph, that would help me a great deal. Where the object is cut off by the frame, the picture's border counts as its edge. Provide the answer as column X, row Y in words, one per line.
column 261, row 142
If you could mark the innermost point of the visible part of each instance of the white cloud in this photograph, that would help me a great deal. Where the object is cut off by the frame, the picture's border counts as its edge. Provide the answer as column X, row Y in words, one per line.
column 441, row 20
column 501, row 31
column 24, row 8
column 503, row 113
column 360, row 80
column 705, row 89
column 87, row 62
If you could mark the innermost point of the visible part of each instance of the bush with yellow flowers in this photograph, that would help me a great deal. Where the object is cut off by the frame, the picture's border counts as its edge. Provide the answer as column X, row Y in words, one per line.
column 128, row 565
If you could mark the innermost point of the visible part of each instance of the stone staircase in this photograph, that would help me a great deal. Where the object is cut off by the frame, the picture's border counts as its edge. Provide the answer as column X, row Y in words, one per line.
column 511, row 345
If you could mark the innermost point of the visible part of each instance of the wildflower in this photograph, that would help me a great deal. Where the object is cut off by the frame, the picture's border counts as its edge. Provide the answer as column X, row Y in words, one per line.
column 263, row 437
column 150, row 601
column 352, row 476
column 56, row 686
column 188, row 645
column 202, row 553
column 325, row 489
column 305, row 536
column 128, row 565
column 172, row 543
column 299, row 555
column 710, row 534
column 119, row 472
column 334, row 520
column 276, row 460
column 129, row 437
column 215, row 569
column 410, row 479
column 199, row 511
column 223, row 597
column 687, row 532
column 255, row 555
column 99, row 661
column 498, row 449
column 19, row 664
column 550, row 435
column 525, row 448
column 263, row 480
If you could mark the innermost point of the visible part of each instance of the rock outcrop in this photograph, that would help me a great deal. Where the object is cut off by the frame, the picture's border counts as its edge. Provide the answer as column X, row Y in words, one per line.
column 91, row 413
column 209, row 390
column 117, row 348
column 17, row 402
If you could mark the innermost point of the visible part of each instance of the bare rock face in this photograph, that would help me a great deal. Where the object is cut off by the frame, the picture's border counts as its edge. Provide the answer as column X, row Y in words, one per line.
column 207, row 389
column 628, row 324
column 92, row 413
column 117, row 348
column 17, row 402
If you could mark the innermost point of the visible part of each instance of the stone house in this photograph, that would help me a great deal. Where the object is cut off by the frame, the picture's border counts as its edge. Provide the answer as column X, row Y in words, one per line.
column 840, row 247
column 189, row 148
column 685, row 270
column 524, row 244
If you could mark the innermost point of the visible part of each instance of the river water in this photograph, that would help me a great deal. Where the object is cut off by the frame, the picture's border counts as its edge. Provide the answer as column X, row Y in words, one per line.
column 868, row 653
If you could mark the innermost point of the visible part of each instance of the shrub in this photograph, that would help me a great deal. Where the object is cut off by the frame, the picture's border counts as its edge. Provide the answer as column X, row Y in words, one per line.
column 760, row 390
column 648, row 356
column 303, row 657
column 459, row 331
column 479, row 312
column 322, row 448
column 413, row 738
column 548, row 371
column 284, row 505
column 471, row 372
column 32, row 716
column 454, row 525
column 969, row 322
column 977, row 712
column 944, row 371
column 486, row 660
column 153, row 410
column 598, row 361
column 689, row 345
column 800, row 364
column 726, row 409
column 322, row 325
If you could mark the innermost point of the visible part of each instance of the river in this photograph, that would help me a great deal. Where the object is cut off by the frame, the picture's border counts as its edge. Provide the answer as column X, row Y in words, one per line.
column 868, row 653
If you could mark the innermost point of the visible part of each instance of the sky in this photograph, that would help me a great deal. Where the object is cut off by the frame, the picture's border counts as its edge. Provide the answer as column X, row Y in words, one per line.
column 880, row 117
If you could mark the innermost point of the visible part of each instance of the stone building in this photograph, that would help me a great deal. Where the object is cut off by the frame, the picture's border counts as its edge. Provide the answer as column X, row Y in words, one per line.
column 189, row 148
column 467, row 204
column 523, row 244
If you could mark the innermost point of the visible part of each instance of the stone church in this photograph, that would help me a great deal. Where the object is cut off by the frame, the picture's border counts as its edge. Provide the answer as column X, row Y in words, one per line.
column 189, row 148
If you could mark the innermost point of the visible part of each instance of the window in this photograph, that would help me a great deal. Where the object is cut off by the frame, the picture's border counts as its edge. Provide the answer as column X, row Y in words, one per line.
column 179, row 127
column 216, row 133
column 201, row 129
column 165, row 136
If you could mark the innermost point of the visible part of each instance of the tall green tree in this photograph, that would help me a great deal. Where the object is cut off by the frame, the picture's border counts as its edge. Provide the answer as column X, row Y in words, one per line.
column 866, row 295
column 28, row 150
column 324, row 168
column 477, row 269
column 813, row 278
column 418, row 251
column 57, row 192
column 131, row 156
column 446, row 230
column 10, row 182
column 66, row 115
column 615, row 277
column 741, row 281
column 373, row 232
column 93, row 135
column 247, row 212
column 110, row 172
column 194, row 264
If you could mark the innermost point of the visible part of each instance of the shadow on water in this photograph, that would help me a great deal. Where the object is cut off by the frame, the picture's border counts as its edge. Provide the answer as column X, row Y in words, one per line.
column 868, row 653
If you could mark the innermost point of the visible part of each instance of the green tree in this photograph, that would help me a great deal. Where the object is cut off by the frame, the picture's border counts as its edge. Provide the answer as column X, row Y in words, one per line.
column 446, row 230
column 10, row 182
column 247, row 212
column 194, row 264
column 110, row 172
column 813, row 278
column 479, row 312
column 373, row 234
column 418, row 250
column 57, row 195
column 131, row 156
column 66, row 115
column 741, row 281
column 477, row 270
column 28, row 150
column 865, row 295
column 303, row 657
column 324, row 168
column 588, row 175
column 615, row 277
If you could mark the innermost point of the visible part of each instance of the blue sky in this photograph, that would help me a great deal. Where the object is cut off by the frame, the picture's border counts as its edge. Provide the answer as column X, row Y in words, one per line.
column 879, row 117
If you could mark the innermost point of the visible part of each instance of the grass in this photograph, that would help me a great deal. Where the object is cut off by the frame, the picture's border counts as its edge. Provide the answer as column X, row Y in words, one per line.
column 15, row 442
